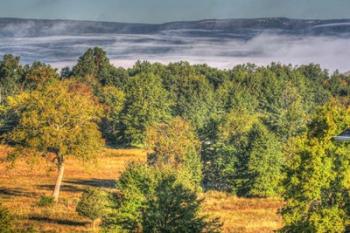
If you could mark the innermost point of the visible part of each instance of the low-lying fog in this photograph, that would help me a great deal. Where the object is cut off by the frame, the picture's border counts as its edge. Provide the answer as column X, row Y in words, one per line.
column 223, row 52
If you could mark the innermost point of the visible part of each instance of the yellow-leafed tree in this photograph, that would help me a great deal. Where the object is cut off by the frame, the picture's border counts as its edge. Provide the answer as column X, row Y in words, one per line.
column 60, row 118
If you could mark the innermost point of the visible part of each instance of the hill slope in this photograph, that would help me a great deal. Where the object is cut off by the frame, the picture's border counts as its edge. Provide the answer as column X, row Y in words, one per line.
column 217, row 27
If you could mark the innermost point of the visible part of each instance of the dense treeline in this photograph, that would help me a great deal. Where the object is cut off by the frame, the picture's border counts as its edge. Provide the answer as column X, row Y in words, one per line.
column 252, row 131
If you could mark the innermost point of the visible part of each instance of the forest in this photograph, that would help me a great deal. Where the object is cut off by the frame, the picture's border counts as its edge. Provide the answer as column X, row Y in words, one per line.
column 250, row 131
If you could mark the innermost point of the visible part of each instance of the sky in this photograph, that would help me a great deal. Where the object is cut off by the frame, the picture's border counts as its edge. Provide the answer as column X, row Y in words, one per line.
column 159, row 11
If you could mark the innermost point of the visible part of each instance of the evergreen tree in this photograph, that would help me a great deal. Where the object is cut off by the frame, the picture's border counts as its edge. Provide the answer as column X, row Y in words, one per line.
column 260, row 168
column 153, row 200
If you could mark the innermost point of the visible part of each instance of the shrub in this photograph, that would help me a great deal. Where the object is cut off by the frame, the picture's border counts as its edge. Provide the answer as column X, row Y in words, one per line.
column 154, row 200
column 45, row 201
column 173, row 209
column 93, row 204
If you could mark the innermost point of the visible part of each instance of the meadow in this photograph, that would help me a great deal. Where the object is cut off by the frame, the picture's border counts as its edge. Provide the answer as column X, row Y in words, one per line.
column 23, row 183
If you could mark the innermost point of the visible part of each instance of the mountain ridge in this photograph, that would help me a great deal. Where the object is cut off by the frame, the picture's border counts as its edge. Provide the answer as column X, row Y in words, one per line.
column 315, row 27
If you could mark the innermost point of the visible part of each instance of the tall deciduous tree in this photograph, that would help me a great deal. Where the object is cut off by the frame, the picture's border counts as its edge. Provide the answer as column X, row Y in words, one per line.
column 56, row 119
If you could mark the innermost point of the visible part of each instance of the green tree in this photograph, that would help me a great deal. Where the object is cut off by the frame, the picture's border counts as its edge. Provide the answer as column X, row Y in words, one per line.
column 146, row 103
column 93, row 204
column 221, row 154
column 175, row 144
column 11, row 74
column 95, row 63
column 92, row 63
column 246, row 158
column 192, row 94
column 153, row 200
column 56, row 119
column 113, row 100
column 260, row 168
column 38, row 75
column 317, row 180
column 175, row 209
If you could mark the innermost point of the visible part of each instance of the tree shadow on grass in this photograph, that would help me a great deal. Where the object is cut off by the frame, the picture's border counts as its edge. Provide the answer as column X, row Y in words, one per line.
column 67, row 222
column 15, row 192
column 80, row 185
column 64, row 188
column 98, row 183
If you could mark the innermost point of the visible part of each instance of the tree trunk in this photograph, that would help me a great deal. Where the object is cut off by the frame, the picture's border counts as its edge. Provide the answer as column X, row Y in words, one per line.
column 56, row 192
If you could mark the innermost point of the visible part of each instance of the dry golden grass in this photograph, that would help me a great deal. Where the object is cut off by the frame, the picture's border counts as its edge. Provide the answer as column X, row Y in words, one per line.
column 22, row 184
column 243, row 215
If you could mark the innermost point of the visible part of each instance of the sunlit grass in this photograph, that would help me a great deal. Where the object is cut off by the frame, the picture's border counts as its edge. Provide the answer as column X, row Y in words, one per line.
column 22, row 185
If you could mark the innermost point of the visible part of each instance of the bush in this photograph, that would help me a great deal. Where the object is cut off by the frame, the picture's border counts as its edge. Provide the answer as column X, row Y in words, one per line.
column 6, row 220
column 154, row 200
column 93, row 204
column 45, row 201
column 174, row 209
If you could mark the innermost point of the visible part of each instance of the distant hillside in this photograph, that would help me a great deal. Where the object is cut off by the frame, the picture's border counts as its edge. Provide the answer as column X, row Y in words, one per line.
column 246, row 27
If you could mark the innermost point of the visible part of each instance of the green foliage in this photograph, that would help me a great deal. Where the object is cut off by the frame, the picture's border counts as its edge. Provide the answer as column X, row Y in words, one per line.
column 153, row 200
column 11, row 74
column 146, row 103
column 136, row 183
column 175, row 144
column 220, row 167
column 93, row 62
column 261, row 168
column 317, row 175
column 6, row 221
column 246, row 158
column 45, row 201
column 59, row 118
column 174, row 209
column 38, row 75
column 113, row 101
column 221, row 153
column 253, row 126
column 192, row 94
column 93, row 204
column 56, row 119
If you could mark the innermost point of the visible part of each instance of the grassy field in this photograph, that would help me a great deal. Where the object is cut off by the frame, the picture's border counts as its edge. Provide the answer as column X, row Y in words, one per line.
column 23, row 183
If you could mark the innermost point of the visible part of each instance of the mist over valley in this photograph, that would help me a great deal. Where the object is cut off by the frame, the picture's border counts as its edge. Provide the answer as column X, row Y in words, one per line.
column 219, row 43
